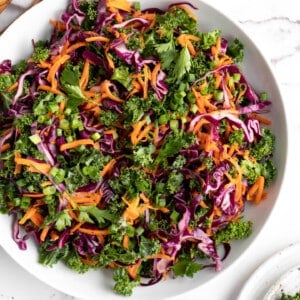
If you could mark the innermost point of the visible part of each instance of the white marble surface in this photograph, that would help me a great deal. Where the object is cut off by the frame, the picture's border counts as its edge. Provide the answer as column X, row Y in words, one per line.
column 275, row 27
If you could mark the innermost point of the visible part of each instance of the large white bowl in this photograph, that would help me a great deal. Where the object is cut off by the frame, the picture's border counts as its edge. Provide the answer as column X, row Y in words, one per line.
column 15, row 44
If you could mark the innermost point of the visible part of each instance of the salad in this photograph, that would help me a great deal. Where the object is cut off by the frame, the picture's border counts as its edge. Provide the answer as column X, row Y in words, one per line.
column 131, row 140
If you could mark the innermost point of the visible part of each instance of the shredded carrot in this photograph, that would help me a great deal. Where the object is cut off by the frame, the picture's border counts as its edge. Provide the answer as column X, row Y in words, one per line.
column 58, row 24
column 34, row 195
column 44, row 233
column 76, row 227
column 144, row 198
column 37, row 219
column 44, row 65
column 94, row 231
column 13, row 86
column 138, row 134
column 87, row 198
column 5, row 147
column 88, row 261
column 154, row 74
column 74, row 47
column 29, row 213
column 255, row 193
column 136, row 88
column 39, row 202
column 261, row 119
column 97, row 38
column 85, row 75
column 184, row 40
column 106, row 92
column 46, row 183
column 133, row 269
column 220, row 58
column 34, row 166
column 62, row 106
column 72, row 213
column 111, row 63
column 54, row 235
column 199, row 125
column 160, row 256
column 108, row 167
column 237, row 180
column 203, row 204
column 125, row 242
column 33, row 215
column 241, row 93
column 18, row 167
column 147, row 76
column 132, row 212
column 218, row 79
column 52, row 72
column 50, row 89
column 119, row 4
column 70, row 200
column 75, row 144
column 188, row 11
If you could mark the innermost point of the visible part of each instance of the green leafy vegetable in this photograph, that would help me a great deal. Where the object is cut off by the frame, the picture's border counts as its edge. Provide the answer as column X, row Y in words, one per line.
column 236, row 50
column 41, row 51
column 234, row 231
column 265, row 146
column 123, row 284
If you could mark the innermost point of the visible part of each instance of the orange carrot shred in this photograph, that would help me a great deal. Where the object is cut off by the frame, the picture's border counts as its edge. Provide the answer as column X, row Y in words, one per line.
column 76, row 143
column 94, row 231
column 85, row 75
column 119, row 4
column 133, row 269
column 108, row 167
column 39, row 167
column 44, row 233
column 256, row 191
column 5, row 147
column 97, row 38
column 13, row 86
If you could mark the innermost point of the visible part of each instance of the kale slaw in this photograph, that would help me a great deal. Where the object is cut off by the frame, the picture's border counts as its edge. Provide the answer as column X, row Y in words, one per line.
column 146, row 162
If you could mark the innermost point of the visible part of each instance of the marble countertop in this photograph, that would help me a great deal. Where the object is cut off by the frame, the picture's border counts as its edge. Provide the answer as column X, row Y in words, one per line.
column 275, row 27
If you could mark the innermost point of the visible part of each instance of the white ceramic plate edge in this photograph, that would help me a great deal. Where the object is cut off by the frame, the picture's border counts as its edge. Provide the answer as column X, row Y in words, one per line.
column 268, row 273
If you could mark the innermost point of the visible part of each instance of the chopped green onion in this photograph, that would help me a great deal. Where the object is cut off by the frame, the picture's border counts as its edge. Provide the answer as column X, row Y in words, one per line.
column 194, row 108
column 174, row 125
column 25, row 202
column 96, row 136
column 236, row 77
column 218, row 95
column 64, row 124
column 263, row 96
column 36, row 139
column 163, row 119
column 49, row 190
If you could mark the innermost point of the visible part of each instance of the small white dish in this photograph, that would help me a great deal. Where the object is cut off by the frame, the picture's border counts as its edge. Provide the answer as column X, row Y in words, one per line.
column 280, row 273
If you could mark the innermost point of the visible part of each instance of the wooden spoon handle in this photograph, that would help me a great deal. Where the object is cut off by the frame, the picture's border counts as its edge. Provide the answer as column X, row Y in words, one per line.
column 4, row 4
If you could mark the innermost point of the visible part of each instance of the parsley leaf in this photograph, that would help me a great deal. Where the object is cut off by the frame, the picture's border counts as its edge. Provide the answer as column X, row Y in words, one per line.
column 70, row 83
column 63, row 220
column 186, row 267
column 100, row 215
column 183, row 64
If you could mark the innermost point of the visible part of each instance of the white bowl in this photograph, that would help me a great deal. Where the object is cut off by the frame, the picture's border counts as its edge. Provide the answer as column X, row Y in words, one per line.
column 15, row 44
